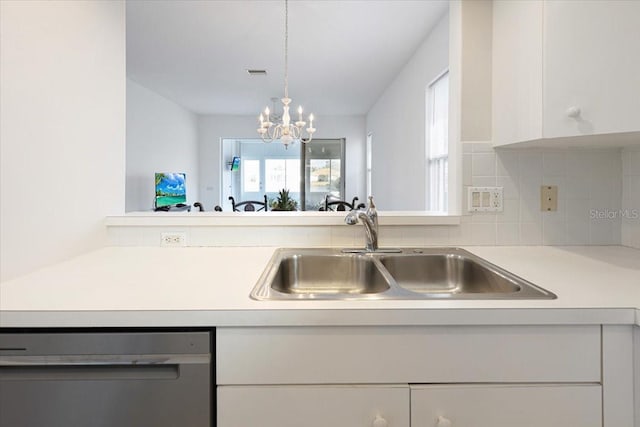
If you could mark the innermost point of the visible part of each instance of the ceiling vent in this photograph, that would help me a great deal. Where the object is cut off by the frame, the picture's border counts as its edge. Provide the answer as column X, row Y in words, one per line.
column 257, row 72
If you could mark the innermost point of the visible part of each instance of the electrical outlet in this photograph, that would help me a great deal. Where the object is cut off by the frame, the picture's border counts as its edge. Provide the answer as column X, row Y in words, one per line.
column 174, row 239
column 485, row 199
column 549, row 198
column 497, row 199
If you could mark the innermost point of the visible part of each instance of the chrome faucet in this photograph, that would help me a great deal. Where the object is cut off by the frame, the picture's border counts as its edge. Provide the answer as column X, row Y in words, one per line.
column 369, row 219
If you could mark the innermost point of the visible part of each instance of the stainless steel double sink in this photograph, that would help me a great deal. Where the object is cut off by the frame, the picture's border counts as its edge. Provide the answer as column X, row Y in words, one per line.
column 426, row 273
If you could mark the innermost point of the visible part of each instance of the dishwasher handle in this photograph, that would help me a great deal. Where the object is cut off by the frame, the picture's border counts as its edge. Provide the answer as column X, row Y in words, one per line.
column 104, row 360
column 89, row 372
column 93, row 368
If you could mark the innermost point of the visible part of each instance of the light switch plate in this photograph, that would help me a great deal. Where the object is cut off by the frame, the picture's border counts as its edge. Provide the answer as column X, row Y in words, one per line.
column 485, row 199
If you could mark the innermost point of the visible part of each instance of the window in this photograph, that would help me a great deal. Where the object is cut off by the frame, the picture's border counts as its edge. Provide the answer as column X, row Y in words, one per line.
column 282, row 173
column 323, row 161
column 325, row 176
column 437, row 144
column 250, row 176
column 310, row 171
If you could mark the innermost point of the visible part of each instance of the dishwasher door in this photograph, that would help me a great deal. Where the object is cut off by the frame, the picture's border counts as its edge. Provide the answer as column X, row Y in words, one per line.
column 105, row 379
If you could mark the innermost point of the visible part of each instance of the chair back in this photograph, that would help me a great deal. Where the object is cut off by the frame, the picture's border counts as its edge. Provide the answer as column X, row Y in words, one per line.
column 249, row 205
column 332, row 204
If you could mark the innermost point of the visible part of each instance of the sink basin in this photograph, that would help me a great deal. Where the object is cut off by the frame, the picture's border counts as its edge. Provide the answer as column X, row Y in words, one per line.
column 456, row 273
column 446, row 273
column 338, row 274
column 427, row 273
column 307, row 274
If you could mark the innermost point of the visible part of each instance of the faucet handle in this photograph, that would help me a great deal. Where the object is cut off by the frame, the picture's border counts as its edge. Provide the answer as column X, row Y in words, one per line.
column 371, row 210
column 351, row 218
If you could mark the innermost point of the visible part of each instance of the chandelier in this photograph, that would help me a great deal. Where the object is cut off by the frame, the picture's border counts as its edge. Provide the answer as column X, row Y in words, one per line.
column 283, row 129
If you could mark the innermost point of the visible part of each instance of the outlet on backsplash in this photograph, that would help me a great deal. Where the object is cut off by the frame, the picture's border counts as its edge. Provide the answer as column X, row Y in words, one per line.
column 175, row 239
column 549, row 198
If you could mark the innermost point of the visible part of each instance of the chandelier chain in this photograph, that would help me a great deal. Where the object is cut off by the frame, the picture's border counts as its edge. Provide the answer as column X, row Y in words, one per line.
column 286, row 48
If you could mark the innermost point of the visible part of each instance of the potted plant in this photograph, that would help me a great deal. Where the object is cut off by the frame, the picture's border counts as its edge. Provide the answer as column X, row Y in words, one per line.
column 283, row 202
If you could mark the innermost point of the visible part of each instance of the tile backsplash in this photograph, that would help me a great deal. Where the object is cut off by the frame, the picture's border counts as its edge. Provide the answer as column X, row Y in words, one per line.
column 630, row 212
column 598, row 204
column 589, row 182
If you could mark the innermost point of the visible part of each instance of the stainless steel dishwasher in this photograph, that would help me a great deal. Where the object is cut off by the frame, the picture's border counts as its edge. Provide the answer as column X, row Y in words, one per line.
column 105, row 379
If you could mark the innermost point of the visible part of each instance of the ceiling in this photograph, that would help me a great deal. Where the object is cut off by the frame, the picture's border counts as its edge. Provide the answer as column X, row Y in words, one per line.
column 342, row 53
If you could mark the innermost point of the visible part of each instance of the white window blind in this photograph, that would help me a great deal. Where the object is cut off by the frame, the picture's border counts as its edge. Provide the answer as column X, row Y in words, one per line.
column 437, row 148
column 369, row 155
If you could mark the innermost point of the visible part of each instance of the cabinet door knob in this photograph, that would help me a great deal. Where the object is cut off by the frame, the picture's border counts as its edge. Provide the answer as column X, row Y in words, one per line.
column 443, row 422
column 379, row 422
column 573, row 112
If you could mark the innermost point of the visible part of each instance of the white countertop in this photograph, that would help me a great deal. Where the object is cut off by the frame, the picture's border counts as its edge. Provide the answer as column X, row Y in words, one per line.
column 296, row 218
column 208, row 286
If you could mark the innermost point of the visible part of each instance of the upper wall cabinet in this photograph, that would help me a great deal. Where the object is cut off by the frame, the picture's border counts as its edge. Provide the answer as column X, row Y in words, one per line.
column 566, row 69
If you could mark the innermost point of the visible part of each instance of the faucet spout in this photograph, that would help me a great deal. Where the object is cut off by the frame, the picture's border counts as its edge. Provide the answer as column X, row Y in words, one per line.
column 370, row 230
column 369, row 220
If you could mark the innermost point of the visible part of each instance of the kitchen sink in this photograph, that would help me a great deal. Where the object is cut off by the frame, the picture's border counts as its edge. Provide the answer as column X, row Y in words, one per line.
column 411, row 273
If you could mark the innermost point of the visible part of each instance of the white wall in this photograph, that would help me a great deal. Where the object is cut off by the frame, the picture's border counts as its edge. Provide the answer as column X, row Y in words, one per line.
column 212, row 128
column 62, row 140
column 397, row 123
column 630, row 213
column 588, row 180
column 475, row 82
column 161, row 137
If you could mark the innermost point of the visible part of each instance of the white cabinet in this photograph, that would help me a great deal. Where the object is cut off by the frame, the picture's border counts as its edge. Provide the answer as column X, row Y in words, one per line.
column 370, row 376
column 506, row 406
column 415, row 354
column 313, row 406
column 566, row 69
column 480, row 405
column 636, row 369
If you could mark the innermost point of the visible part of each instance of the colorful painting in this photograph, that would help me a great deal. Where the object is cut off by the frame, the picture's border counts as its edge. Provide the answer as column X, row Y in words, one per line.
column 170, row 189
column 235, row 164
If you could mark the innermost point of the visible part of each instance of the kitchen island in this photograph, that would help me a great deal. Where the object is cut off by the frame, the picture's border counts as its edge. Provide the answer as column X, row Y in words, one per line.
column 387, row 362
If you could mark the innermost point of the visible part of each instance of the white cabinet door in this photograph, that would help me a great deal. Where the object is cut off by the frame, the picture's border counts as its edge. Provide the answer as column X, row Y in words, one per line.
column 565, row 68
column 517, row 71
column 313, row 406
column 506, row 406
column 592, row 62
